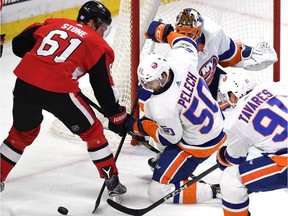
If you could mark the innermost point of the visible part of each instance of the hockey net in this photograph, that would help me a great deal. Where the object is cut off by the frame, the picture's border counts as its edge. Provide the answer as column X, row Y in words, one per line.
column 249, row 21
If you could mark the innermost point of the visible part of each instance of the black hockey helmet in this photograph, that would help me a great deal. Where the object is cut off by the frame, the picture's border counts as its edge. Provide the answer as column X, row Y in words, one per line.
column 96, row 11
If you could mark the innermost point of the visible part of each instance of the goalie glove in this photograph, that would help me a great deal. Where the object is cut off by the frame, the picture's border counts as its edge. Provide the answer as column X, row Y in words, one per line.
column 257, row 58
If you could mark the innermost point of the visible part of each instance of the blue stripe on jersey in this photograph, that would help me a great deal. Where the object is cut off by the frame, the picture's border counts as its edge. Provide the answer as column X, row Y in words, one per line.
column 176, row 198
column 189, row 40
column 229, row 53
column 235, row 160
column 210, row 143
column 279, row 152
column 235, row 206
column 164, row 141
column 145, row 94
column 267, row 181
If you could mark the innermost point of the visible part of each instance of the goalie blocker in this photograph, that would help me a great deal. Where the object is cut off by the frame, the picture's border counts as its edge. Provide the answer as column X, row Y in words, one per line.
column 257, row 58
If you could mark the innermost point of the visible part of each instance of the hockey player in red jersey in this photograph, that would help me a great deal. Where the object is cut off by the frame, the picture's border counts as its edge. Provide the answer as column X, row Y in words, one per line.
column 55, row 54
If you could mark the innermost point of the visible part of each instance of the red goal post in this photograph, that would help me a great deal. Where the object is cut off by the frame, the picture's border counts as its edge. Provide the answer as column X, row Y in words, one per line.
column 251, row 21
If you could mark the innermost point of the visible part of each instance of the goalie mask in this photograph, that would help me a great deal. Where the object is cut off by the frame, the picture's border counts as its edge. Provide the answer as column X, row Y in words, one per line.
column 96, row 11
column 237, row 83
column 151, row 68
column 190, row 23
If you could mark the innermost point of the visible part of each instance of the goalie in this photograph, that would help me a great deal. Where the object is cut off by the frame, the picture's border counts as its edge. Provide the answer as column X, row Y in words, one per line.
column 215, row 47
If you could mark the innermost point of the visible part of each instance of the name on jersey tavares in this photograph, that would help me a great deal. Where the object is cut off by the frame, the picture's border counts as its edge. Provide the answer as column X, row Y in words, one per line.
column 186, row 93
column 253, row 104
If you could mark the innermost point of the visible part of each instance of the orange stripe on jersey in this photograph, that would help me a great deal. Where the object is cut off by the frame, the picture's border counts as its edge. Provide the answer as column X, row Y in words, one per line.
column 234, row 60
column 172, row 36
column 150, row 128
column 281, row 160
column 202, row 152
column 174, row 167
column 189, row 194
column 224, row 105
column 230, row 213
column 257, row 174
column 141, row 106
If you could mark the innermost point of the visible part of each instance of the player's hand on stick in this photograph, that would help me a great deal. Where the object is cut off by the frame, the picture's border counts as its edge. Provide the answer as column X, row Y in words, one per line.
column 158, row 31
column 117, row 122
column 140, row 127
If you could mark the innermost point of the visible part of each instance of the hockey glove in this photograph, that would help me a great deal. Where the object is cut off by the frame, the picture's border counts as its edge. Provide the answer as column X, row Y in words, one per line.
column 257, row 58
column 117, row 122
column 221, row 159
column 142, row 127
column 158, row 31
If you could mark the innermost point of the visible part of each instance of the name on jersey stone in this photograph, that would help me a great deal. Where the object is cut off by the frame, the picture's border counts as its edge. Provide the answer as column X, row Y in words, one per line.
column 74, row 29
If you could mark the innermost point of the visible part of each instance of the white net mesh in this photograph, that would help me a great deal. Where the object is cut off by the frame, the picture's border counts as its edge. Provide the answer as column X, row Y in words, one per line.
column 246, row 20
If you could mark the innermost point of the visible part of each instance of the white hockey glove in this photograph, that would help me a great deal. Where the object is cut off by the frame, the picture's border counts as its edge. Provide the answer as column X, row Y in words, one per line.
column 257, row 58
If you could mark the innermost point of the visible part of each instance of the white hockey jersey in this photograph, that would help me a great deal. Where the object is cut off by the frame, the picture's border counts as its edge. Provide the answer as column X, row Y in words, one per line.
column 185, row 110
column 260, row 119
column 215, row 47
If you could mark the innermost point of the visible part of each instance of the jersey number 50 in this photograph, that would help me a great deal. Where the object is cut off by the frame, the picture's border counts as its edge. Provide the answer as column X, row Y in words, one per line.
column 207, row 113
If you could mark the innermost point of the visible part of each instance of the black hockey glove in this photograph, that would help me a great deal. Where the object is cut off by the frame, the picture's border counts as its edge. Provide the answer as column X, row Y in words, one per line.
column 117, row 122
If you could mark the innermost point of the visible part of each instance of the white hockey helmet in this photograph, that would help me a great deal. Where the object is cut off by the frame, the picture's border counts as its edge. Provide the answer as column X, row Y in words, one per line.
column 240, row 84
column 151, row 68
column 190, row 23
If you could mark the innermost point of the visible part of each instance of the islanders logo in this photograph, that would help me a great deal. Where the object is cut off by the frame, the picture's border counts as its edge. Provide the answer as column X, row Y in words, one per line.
column 208, row 69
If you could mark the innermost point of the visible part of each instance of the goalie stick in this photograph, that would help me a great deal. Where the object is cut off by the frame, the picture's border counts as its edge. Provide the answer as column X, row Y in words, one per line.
column 98, row 200
column 143, row 211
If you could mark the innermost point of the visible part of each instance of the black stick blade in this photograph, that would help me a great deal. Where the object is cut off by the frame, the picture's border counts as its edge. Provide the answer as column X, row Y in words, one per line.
column 131, row 211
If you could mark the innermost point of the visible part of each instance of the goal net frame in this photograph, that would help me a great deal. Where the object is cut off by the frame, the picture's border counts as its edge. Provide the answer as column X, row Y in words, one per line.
column 134, row 18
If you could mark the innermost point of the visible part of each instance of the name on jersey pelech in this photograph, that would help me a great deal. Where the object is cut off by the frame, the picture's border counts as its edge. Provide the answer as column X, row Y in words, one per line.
column 74, row 29
column 187, row 91
column 253, row 103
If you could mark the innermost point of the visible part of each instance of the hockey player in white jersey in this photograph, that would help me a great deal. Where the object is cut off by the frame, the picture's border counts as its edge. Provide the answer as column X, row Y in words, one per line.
column 216, row 47
column 181, row 116
column 259, row 119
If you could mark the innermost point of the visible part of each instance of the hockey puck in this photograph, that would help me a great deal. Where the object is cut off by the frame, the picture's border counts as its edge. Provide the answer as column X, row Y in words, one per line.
column 62, row 210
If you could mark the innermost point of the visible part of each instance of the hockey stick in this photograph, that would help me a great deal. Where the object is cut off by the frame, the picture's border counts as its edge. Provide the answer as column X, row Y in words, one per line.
column 143, row 211
column 143, row 142
column 138, row 138
column 98, row 200
column 94, row 105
